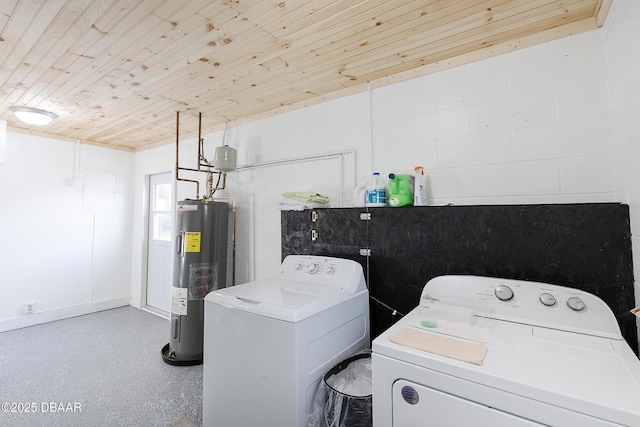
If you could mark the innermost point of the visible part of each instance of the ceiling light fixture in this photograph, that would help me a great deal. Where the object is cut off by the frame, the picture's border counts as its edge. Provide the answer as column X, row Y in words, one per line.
column 33, row 116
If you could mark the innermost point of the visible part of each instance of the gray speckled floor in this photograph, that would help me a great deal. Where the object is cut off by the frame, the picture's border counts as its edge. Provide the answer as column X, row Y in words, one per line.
column 102, row 369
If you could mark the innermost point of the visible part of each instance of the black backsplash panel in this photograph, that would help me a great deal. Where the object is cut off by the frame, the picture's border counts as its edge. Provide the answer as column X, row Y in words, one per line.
column 339, row 233
column 584, row 246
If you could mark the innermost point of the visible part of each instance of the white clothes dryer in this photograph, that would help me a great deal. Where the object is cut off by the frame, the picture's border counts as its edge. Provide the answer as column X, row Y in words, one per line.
column 267, row 344
column 494, row 352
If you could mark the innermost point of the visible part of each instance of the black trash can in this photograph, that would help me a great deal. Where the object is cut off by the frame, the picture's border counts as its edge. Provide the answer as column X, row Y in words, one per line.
column 341, row 400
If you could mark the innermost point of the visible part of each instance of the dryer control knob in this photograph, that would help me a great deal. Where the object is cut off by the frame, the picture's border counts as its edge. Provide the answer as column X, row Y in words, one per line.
column 331, row 270
column 548, row 299
column 312, row 268
column 298, row 266
column 504, row 293
column 576, row 304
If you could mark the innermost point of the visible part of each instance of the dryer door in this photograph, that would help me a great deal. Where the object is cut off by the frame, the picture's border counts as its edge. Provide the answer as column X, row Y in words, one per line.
column 415, row 405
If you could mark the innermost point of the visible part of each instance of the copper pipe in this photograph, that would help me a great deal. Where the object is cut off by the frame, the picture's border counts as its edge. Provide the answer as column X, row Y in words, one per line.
column 178, row 168
column 177, row 139
column 202, row 167
column 199, row 138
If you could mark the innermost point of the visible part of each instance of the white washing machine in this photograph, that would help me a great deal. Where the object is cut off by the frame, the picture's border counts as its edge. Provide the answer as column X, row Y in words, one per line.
column 493, row 352
column 268, row 343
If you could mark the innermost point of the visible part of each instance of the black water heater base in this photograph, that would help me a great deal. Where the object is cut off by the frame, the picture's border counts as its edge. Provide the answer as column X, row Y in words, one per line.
column 178, row 362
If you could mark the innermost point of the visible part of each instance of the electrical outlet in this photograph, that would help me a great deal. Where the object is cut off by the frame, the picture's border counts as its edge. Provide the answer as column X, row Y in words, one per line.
column 29, row 307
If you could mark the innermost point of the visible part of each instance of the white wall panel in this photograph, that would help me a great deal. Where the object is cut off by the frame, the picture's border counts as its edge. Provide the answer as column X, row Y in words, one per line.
column 3, row 140
column 54, row 252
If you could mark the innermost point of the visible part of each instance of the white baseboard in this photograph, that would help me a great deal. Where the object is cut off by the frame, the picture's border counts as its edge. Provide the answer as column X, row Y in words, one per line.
column 60, row 313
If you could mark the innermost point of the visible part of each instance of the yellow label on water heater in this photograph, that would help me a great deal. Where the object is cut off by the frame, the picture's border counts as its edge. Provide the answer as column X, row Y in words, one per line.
column 192, row 243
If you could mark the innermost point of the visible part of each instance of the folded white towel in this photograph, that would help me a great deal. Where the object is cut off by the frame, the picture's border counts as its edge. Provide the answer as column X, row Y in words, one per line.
column 295, row 205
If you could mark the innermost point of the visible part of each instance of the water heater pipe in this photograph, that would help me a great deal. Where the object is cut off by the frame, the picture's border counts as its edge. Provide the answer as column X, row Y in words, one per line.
column 178, row 168
column 204, row 165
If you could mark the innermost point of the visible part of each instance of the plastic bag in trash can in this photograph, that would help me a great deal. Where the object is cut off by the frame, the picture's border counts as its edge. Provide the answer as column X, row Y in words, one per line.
column 344, row 396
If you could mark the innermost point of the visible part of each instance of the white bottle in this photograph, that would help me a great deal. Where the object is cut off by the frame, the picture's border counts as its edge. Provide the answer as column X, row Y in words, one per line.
column 360, row 193
column 376, row 191
column 420, row 189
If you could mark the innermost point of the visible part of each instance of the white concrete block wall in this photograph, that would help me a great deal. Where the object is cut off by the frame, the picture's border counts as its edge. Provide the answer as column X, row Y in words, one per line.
column 528, row 124
column 622, row 47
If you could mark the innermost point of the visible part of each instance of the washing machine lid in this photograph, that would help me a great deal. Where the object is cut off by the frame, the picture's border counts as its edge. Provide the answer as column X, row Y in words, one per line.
column 280, row 299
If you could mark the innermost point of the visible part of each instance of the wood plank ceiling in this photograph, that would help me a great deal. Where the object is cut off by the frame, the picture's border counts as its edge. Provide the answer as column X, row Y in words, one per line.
column 116, row 71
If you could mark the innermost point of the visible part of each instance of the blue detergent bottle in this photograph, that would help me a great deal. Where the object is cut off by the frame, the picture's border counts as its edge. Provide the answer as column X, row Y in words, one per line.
column 376, row 191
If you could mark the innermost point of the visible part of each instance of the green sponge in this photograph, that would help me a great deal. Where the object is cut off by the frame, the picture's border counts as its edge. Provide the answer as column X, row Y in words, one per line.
column 429, row 323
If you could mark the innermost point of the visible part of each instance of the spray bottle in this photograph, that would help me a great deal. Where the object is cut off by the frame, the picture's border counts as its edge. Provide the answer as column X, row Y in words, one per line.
column 420, row 193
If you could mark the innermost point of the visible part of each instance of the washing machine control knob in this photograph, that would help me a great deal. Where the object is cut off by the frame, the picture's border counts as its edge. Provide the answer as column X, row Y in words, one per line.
column 504, row 293
column 331, row 270
column 576, row 304
column 548, row 299
column 312, row 268
column 298, row 266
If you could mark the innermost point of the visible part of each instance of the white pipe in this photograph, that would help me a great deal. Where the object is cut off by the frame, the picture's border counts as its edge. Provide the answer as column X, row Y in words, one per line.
column 76, row 181
column 370, row 130
column 342, row 182
column 326, row 156
column 297, row 159
column 77, row 169
column 252, row 237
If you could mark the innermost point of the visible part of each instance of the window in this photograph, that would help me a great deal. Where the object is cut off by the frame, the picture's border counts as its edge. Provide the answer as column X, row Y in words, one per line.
column 161, row 212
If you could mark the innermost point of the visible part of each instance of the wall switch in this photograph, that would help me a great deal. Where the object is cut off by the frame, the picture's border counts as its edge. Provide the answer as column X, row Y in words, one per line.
column 29, row 307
